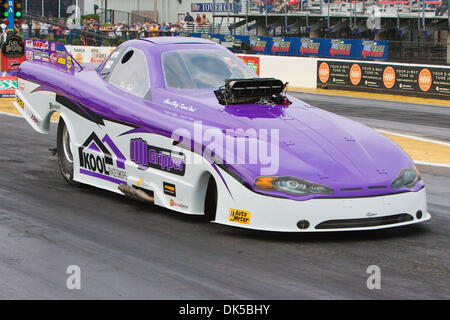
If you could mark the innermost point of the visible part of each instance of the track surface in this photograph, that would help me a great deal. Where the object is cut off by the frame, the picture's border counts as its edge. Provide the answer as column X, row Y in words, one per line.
column 126, row 249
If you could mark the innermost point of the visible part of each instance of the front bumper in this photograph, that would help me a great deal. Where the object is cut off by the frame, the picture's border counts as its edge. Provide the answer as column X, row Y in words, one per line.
column 339, row 214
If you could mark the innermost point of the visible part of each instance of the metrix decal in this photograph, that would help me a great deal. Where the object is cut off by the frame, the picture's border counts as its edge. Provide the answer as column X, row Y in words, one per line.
column 97, row 161
column 157, row 158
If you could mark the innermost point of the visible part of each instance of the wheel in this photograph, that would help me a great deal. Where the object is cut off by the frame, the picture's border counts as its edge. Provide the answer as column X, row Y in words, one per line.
column 65, row 154
column 211, row 200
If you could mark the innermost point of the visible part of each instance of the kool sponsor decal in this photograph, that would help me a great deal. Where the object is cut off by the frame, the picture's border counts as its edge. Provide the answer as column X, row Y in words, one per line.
column 239, row 216
column 148, row 156
column 97, row 159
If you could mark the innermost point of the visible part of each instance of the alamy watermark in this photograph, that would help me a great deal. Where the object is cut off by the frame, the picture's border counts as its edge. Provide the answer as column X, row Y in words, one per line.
column 231, row 146
column 374, row 280
column 74, row 279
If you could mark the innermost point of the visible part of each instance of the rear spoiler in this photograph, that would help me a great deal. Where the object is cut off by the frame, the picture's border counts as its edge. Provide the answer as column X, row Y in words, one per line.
column 50, row 53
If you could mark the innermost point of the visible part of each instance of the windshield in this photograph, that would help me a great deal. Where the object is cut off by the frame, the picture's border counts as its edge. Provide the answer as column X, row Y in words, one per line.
column 202, row 68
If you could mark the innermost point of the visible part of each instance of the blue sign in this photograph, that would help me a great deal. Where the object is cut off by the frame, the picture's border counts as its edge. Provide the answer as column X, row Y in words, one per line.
column 10, row 14
column 209, row 6
column 311, row 47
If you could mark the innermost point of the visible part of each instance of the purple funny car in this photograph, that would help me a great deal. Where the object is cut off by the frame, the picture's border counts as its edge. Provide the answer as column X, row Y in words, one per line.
column 185, row 124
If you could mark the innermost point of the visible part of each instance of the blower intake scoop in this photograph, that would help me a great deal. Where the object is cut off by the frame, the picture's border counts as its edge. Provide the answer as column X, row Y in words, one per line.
column 251, row 91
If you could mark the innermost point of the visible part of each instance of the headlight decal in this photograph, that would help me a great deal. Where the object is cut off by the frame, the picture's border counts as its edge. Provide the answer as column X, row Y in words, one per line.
column 407, row 178
column 291, row 185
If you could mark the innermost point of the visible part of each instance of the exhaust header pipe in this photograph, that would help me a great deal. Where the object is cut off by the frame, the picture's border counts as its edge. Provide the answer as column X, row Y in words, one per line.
column 136, row 193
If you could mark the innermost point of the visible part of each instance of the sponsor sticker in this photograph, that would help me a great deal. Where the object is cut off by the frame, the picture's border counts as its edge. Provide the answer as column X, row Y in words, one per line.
column 30, row 56
column 148, row 156
column 53, row 58
column 178, row 205
column 169, row 189
column 20, row 102
column 239, row 216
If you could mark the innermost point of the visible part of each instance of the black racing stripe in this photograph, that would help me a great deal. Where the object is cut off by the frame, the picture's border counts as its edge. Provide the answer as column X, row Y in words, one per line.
column 79, row 109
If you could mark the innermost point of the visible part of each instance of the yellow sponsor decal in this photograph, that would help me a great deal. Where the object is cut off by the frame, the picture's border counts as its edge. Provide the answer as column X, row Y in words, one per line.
column 69, row 62
column 239, row 216
column 20, row 102
column 61, row 60
column 169, row 188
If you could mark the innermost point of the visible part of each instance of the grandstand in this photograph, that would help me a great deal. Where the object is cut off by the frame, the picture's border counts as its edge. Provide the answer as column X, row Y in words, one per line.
column 380, row 19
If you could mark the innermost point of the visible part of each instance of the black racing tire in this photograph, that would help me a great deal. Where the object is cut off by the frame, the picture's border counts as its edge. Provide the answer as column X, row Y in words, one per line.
column 211, row 200
column 64, row 152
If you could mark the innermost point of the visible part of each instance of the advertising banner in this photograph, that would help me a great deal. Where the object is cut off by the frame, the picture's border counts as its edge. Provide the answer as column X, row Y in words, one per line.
column 411, row 80
column 310, row 47
column 252, row 61
column 12, row 53
column 8, row 86
column 209, row 7
column 89, row 54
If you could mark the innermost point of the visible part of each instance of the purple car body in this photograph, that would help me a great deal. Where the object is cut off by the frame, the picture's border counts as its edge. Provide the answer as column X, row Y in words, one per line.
column 352, row 159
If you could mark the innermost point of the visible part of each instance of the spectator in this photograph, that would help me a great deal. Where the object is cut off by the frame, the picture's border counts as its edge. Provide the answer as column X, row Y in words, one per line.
column 237, row 6
column 204, row 19
column 440, row 10
column 35, row 28
column 188, row 18
column 198, row 19
column 3, row 27
column 25, row 32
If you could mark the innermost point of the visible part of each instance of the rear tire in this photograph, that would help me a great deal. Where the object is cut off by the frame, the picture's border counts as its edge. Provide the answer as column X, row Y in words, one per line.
column 65, row 154
column 211, row 200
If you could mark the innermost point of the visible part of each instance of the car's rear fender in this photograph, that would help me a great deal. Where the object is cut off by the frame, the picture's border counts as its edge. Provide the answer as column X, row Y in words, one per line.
column 36, row 107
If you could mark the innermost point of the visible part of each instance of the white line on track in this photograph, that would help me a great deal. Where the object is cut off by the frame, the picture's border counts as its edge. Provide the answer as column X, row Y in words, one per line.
column 414, row 137
column 424, row 163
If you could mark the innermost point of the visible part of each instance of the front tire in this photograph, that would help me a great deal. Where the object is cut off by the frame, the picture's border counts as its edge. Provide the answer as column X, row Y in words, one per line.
column 211, row 200
column 65, row 154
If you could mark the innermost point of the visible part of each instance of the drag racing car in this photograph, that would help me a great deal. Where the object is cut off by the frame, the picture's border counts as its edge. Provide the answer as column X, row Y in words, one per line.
column 185, row 124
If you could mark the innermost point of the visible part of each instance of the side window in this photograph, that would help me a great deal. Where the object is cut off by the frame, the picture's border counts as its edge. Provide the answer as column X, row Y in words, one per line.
column 130, row 72
column 108, row 65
